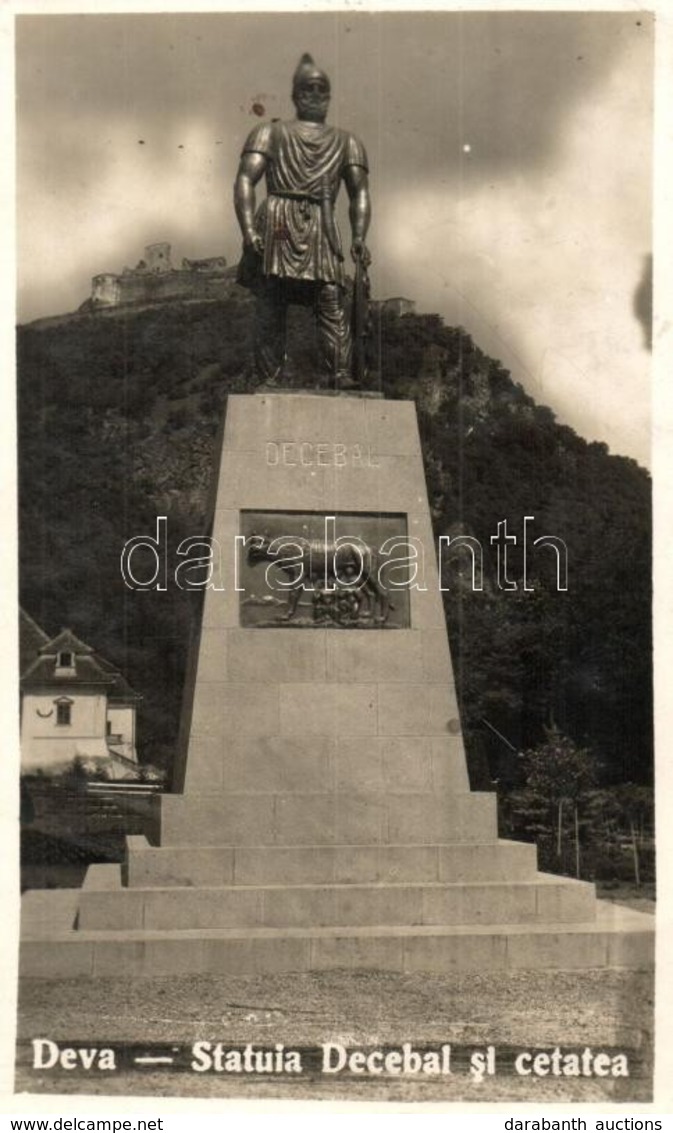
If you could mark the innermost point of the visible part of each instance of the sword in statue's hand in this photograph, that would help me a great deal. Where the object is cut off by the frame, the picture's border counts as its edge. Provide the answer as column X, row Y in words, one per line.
column 361, row 310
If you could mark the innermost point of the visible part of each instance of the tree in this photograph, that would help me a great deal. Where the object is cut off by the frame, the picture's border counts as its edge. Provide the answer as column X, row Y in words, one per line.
column 624, row 821
column 558, row 781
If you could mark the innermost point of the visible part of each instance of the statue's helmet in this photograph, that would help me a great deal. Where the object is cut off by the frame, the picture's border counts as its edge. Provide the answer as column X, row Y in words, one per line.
column 307, row 70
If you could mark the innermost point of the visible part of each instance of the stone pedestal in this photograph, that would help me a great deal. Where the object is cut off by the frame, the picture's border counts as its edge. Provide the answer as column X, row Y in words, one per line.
column 326, row 818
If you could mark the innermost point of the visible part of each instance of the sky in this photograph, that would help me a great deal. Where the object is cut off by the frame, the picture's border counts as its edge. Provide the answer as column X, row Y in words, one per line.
column 510, row 158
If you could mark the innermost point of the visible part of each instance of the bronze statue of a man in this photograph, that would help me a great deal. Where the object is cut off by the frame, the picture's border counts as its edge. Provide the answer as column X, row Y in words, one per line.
column 291, row 245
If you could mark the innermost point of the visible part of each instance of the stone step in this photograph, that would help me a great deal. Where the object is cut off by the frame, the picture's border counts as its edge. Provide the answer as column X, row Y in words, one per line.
column 160, row 866
column 318, row 819
column 52, row 949
column 105, row 905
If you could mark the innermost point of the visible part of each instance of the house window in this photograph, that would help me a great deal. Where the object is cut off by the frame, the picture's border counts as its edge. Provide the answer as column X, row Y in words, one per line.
column 65, row 660
column 63, row 712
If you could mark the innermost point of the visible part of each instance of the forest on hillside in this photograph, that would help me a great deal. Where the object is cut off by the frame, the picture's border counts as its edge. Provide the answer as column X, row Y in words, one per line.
column 118, row 418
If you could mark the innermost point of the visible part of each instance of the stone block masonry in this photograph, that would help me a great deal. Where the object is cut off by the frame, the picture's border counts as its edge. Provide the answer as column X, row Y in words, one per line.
column 323, row 816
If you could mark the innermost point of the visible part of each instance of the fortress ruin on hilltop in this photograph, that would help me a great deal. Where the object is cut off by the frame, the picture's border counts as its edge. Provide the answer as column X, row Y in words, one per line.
column 154, row 278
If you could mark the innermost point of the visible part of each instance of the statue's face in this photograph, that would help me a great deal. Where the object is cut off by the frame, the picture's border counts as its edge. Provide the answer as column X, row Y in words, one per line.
column 311, row 98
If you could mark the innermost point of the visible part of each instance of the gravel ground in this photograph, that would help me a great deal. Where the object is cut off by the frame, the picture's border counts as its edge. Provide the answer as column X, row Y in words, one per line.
column 527, row 1010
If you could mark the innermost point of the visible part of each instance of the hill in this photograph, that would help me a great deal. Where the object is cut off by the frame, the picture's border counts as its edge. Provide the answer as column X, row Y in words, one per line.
column 118, row 416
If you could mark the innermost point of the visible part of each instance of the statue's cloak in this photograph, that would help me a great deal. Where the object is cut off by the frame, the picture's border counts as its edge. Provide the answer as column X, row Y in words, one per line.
column 306, row 162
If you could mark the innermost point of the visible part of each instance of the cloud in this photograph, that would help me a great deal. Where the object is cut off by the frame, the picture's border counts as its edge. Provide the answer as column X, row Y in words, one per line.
column 96, row 210
column 542, row 267
column 533, row 238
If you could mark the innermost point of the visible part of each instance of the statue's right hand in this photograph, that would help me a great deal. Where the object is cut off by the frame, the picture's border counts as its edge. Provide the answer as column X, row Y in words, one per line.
column 254, row 243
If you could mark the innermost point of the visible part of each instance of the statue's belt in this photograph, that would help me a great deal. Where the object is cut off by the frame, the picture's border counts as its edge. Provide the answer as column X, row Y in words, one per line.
column 326, row 211
column 292, row 195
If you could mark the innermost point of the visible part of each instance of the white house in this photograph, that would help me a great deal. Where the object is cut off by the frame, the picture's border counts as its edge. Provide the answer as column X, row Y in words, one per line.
column 74, row 705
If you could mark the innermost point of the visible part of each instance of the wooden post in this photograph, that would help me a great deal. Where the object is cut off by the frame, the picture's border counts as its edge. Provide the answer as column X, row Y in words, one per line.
column 577, row 842
column 634, row 842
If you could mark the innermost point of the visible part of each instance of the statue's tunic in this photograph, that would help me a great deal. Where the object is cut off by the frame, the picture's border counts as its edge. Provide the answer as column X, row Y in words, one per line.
column 306, row 162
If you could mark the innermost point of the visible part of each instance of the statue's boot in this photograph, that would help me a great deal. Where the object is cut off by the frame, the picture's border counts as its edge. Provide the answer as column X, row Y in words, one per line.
column 346, row 381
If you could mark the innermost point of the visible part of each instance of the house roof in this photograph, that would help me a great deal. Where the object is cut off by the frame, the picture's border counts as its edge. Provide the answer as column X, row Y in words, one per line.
column 65, row 641
column 120, row 689
column 86, row 671
column 39, row 656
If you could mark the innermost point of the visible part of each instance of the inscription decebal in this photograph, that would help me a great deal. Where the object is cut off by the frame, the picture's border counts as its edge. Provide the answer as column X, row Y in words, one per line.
column 320, row 454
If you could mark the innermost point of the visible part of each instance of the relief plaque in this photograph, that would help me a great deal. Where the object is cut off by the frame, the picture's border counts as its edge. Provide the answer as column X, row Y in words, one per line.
column 307, row 570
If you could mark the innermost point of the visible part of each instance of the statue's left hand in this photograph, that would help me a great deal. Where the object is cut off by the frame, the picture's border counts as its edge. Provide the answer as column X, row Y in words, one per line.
column 255, row 243
column 360, row 251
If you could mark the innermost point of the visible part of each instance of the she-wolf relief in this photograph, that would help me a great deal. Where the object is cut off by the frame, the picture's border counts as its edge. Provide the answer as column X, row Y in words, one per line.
column 309, row 569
